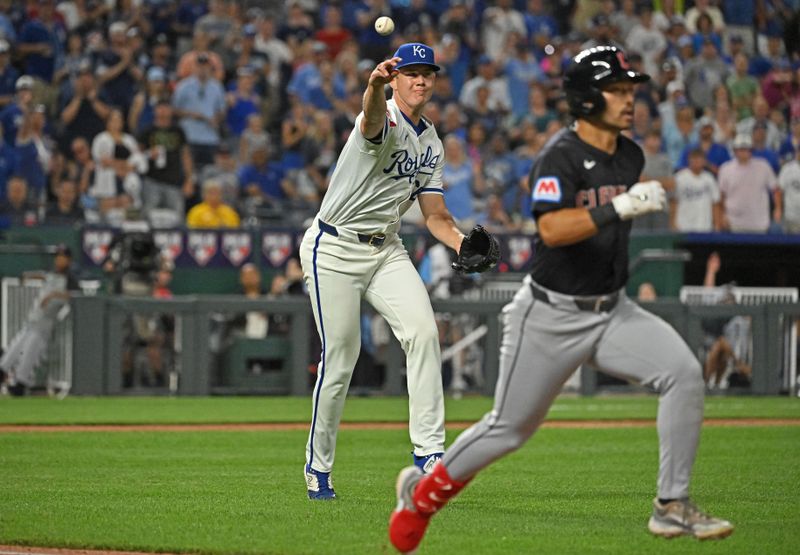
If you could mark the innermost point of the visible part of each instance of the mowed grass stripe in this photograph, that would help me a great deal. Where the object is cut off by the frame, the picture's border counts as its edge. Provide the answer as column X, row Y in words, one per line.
column 223, row 410
column 566, row 491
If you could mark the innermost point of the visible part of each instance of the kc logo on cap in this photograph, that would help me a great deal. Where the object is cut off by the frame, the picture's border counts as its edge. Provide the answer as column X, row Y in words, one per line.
column 415, row 53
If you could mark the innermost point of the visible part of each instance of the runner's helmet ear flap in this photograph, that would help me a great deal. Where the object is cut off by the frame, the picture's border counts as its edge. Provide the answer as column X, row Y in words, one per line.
column 589, row 72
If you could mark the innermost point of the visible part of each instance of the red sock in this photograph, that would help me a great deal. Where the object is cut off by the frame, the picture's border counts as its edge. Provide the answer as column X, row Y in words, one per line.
column 435, row 490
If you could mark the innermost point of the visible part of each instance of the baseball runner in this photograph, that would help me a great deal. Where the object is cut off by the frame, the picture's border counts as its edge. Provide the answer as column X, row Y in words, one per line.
column 572, row 308
column 26, row 349
column 352, row 252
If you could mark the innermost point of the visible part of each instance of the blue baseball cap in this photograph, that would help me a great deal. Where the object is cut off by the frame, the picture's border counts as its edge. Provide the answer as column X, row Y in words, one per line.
column 416, row 53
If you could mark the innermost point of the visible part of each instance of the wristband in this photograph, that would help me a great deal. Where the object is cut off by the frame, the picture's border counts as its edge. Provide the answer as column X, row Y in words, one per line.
column 602, row 215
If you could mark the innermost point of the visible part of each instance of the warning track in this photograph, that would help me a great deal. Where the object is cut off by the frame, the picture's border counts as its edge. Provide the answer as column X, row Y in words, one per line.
column 292, row 426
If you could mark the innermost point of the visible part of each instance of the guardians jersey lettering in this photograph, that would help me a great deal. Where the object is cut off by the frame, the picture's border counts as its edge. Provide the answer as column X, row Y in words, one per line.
column 587, row 177
column 370, row 197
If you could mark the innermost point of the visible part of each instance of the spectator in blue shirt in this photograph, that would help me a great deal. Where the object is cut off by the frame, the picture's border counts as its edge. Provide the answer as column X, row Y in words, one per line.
column 199, row 102
column 8, row 75
column 541, row 27
column 8, row 164
column 761, row 149
column 242, row 101
column 716, row 153
column 41, row 42
column 458, row 179
column 11, row 116
column 264, row 180
column 792, row 143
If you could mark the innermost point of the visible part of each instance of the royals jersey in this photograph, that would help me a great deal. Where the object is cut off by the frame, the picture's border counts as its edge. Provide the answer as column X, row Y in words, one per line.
column 570, row 173
column 375, row 182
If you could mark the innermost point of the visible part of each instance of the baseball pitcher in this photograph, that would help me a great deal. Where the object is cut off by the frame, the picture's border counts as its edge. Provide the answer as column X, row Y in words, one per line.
column 572, row 308
column 352, row 251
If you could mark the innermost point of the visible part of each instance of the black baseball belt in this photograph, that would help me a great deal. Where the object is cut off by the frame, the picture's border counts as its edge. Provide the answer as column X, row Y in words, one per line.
column 605, row 303
column 374, row 240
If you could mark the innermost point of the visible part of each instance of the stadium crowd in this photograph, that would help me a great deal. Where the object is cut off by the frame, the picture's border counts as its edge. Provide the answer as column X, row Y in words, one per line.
column 227, row 113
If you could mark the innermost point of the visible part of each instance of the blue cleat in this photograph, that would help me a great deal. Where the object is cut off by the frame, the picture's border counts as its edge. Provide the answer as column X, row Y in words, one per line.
column 320, row 485
column 426, row 462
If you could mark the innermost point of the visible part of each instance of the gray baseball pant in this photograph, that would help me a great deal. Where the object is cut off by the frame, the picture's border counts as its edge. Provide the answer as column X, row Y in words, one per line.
column 544, row 343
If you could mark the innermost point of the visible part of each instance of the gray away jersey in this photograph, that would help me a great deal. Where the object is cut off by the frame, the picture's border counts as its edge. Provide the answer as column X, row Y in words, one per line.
column 374, row 183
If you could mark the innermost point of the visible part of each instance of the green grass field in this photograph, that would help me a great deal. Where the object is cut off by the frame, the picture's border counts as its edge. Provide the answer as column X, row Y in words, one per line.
column 567, row 491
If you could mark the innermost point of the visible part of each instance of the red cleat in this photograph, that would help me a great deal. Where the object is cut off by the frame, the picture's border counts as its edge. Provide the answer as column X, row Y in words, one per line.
column 419, row 496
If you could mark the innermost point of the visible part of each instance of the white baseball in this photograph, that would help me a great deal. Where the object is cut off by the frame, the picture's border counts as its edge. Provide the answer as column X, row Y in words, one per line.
column 384, row 25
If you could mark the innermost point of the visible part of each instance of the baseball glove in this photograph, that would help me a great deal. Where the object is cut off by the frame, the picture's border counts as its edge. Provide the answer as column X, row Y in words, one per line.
column 479, row 252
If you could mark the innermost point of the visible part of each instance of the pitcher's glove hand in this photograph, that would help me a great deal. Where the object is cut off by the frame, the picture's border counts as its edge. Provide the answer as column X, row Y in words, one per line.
column 479, row 252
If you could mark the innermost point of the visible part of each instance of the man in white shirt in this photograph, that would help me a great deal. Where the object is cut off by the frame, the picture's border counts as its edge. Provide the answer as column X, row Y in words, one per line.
column 789, row 183
column 695, row 202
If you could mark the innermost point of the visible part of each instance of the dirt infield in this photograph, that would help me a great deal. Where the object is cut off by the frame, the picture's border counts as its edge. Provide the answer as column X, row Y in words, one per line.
column 291, row 426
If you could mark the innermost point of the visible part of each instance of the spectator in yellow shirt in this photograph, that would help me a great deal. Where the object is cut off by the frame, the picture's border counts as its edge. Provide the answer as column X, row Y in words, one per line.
column 212, row 212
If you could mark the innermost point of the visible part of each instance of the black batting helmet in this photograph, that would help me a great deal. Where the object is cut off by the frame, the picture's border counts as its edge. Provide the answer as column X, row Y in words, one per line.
column 589, row 72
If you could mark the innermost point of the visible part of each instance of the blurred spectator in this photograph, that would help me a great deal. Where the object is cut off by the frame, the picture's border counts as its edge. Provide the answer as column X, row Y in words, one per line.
column 170, row 176
column 778, row 87
column 538, row 112
column 481, row 112
column 252, row 137
column 602, row 32
column 8, row 74
column 118, row 167
column 199, row 102
column 761, row 149
column 647, row 40
column 746, row 184
column 695, row 201
column 73, row 59
column 703, row 73
column 212, row 212
column 84, row 113
column 143, row 107
column 275, row 50
column 332, row 34
column 739, row 17
column 716, row 154
column 680, row 134
column 494, row 217
column 201, row 50
column 542, row 27
column 34, row 152
column 459, row 180
column 675, row 97
column 642, row 122
column 499, row 99
column 789, row 183
column 245, row 53
column 791, row 145
column 264, row 181
column 117, row 73
column 743, row 88
column 224, row 171
column 217, row 25
column 242, row 102
column 8, row 164
column 625, row 18
column 16, row 208
column 80, row 165
column 724, row 122
column 293, row 133
column 11, row 116
column 66, row 209
column 253, row 324
column 704, row 7
column 497, row 23
column 705, row 32
column 657, row 166
column 522, row 72
column 760, row 114
column 40, row 42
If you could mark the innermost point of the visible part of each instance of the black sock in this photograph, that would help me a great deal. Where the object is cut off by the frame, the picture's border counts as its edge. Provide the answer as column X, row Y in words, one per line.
column 665, row 501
